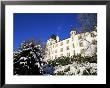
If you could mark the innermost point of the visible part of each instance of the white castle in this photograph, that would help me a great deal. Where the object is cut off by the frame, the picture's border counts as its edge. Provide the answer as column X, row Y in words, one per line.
column 77, row 43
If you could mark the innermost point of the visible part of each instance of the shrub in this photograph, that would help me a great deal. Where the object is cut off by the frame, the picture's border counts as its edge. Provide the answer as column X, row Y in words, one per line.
column 69, row 60
column 60, row 73
column 27, row 60
column 67, row 69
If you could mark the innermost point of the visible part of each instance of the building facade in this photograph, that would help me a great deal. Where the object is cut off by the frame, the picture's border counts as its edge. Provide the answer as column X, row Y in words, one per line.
column 77, row 43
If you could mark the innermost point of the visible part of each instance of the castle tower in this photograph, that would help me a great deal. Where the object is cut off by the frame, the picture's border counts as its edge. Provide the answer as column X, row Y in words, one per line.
column 51, row 40
column 57, row 39
column 72, row 33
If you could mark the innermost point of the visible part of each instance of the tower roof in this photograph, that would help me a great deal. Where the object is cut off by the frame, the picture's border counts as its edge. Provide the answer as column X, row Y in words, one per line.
column 53, row 36
column 73, row 29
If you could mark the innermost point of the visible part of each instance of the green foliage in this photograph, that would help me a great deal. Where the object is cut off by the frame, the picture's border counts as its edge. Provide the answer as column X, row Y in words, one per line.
column 85, row 72
column 52, row 62
column 63, row 61
column 75, row 58
column 60, row 61
column 88, row 71
column 91, row 59
column 28, row 59
column 67, row 69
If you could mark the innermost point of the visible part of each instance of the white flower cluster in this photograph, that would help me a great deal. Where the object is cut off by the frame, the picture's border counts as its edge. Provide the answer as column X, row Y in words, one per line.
column 77, row 69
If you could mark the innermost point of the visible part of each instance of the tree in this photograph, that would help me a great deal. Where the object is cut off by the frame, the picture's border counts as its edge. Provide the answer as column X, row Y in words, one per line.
column 87, row 21
column 28, row 59
column 88, row 25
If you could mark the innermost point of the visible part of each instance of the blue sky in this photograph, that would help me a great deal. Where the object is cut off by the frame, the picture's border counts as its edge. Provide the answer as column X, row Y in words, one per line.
column 42, row 25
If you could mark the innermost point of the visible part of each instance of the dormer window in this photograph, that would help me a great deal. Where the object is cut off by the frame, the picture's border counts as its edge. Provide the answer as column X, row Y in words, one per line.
column 67, row 41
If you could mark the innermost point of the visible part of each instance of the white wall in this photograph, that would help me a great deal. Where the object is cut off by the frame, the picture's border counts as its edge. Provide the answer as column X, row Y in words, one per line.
column 77, row 48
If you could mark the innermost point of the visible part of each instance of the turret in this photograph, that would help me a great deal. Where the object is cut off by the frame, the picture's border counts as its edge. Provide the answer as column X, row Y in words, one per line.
column 53, row 39
column 57, row 39
column 72, row 33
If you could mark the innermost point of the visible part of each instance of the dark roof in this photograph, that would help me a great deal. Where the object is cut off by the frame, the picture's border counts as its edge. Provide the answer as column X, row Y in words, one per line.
column 73, row 29
column 53, row 36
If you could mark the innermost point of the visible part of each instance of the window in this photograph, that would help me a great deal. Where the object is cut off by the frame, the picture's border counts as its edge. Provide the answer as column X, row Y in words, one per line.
column 82, row 51
column 56, row 45
column 55, row 51
column 67, row 48
column 79, row 37
column 67, row 41
column 49, row 53
column 73, row 45
column 61, row 43
column 93, row 35
column 55, row 56
column 81, row 44
column 73, row 52
column 50, row 43
column 94, row 42
column 68, row 54
column 61, row 50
